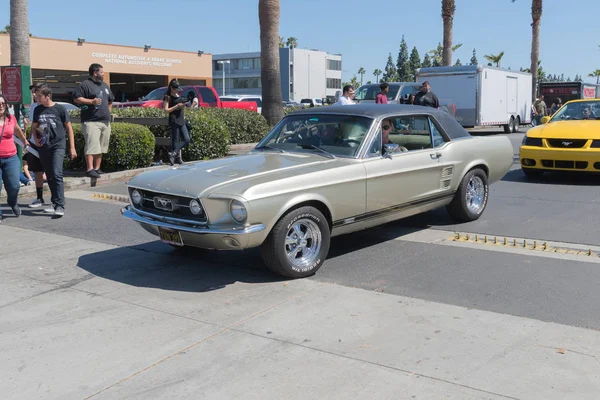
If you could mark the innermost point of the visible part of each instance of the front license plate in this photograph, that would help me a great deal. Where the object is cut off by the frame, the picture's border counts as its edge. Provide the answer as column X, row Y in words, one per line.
column 170, row 236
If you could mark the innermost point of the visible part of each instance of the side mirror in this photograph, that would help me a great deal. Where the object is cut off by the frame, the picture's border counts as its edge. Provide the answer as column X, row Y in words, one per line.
column 390, row 148
column 545, row 119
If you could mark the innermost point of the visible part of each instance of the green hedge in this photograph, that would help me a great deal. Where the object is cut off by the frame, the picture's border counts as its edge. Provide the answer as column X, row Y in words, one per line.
column 131, row 146
column 209, row 137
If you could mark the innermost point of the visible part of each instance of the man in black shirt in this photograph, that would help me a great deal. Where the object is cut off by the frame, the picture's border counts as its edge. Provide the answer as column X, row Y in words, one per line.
column 95, row 98
column 50, row 126
column 426, row 97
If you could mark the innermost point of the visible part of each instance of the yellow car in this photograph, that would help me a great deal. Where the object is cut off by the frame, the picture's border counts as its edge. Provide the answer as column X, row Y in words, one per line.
column 567, row 141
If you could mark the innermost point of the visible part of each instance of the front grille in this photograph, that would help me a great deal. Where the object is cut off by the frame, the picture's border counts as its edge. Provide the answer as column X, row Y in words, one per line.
column 597, row 165
column 565, row 164
column 167, row 205
column 567, row 143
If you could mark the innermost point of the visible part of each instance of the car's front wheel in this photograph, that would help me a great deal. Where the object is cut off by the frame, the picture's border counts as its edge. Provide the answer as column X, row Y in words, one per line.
column 471, row 197
column 298, row 244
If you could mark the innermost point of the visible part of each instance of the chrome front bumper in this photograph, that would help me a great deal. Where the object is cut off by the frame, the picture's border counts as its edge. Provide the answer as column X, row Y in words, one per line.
column 199, row 236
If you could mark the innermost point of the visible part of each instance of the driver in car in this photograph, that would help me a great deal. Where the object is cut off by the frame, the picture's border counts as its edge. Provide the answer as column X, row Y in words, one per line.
column 386, row 129
column 586, row 113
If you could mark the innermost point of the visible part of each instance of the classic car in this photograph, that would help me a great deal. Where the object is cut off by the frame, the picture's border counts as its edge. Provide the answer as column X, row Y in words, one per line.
column 567, row 141
column 322, row 172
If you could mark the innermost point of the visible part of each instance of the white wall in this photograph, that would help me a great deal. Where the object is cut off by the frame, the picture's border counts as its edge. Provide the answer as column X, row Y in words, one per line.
column 309, row 79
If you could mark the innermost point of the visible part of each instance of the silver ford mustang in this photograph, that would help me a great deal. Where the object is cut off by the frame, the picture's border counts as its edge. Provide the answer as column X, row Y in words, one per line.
column 319, row 173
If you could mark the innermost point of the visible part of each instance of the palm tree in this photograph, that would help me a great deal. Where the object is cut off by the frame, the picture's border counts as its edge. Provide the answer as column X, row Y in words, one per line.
column 361, row 72
column 377, row 72
column 268, row 18
column 292, row 42
column 495, row 58
column 281, row 42
column 448, row 8
column 19, row 33
column 596, row 74
column 536, row 17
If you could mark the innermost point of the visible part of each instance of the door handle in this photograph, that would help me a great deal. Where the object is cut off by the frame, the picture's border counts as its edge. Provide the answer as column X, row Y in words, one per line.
column 435, row 156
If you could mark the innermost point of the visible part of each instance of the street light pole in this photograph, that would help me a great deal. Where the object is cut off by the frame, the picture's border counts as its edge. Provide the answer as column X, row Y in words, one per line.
column 223, row 62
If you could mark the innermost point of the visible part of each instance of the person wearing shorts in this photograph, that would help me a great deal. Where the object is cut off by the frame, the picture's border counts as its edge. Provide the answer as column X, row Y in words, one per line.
column 95, row 99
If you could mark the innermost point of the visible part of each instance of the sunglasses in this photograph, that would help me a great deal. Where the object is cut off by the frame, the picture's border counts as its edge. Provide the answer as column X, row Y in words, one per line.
column 386, row 127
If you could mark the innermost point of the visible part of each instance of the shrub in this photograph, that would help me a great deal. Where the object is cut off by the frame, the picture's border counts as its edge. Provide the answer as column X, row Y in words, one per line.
column 131, row 146
column 244, row 126
column 209, row 137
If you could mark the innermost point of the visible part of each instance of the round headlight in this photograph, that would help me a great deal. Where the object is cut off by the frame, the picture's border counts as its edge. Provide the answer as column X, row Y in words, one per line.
column 238, row 211
column 136, row 197
column 195, row 207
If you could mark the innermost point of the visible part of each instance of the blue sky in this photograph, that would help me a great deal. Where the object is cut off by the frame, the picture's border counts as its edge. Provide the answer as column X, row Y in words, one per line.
column 363, row 32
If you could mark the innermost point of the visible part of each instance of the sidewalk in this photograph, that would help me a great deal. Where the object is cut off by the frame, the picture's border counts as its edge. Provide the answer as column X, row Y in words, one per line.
column 102, row 322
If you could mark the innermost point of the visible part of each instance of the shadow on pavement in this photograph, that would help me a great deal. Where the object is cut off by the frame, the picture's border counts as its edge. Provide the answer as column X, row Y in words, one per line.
column 555, row 178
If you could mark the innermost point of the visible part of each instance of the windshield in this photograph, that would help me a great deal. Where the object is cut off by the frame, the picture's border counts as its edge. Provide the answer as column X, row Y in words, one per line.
column 578, row 110
column 370, row 92
column 339, row 135
column 156, row 94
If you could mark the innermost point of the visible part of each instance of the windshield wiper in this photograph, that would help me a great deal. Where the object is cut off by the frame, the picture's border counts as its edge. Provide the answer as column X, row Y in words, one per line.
column 268, row 146
column 312, row 146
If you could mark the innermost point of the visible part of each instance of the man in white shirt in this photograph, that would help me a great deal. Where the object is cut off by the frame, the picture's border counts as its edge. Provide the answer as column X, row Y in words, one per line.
column 347, row 96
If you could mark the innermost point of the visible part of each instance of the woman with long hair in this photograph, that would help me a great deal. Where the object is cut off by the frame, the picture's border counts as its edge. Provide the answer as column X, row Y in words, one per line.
column 10, row 165
column 173, row 104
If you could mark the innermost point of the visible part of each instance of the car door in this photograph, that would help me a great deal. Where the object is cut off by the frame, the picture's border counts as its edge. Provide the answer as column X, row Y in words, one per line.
column 415, row 176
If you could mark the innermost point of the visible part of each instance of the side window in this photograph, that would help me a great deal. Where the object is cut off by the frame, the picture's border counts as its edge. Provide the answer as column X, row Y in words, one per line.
column 207, row 95
column 412, row 133
column 407, row 91
column 189, row 94
column 257, row 100
column 436, row 134
column 375, row 150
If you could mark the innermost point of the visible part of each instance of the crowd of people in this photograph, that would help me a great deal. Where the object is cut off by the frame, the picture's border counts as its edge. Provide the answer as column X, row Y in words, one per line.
column 425, row 97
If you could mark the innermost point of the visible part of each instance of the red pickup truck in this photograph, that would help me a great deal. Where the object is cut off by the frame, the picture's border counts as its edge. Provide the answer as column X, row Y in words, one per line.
column 207, row 97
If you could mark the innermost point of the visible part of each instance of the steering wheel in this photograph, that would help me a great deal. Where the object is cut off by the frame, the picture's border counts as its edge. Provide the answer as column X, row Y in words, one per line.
column 402, row 148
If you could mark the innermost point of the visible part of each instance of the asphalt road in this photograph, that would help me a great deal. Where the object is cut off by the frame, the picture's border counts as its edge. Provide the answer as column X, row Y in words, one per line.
column 562, row 207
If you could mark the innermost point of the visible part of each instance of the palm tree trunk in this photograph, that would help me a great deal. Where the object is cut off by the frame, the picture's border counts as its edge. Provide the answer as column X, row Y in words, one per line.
column 19, row 33
column 448, row 8
column 536, row 15
column 268, row 17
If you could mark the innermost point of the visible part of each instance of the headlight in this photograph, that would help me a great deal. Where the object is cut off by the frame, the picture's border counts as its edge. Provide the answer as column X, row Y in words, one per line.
column 195, row 207
column 136, row 197
column 238, row 211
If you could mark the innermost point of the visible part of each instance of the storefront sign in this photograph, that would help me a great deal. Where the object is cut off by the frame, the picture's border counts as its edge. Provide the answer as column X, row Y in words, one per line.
column 589, row 92
column 111, row 58
column 15, row 83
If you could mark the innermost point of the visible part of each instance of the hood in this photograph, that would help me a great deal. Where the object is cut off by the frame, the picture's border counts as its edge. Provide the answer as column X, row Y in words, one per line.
column 202, row 178
column 589, row 129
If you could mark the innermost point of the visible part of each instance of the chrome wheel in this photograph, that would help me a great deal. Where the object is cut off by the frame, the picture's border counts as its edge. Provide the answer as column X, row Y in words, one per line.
column 475, row 194
column 303, row 243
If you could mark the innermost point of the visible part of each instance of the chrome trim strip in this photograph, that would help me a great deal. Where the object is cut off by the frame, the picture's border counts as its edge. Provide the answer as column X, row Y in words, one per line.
column 133, row 215
column 169, row 219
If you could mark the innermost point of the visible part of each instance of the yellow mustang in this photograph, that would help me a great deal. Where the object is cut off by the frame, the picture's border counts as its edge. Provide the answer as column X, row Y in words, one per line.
column 567, row 141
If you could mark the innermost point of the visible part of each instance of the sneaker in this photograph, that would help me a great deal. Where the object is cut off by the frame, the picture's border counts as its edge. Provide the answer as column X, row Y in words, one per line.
column 172, row 158
column 60, row 211
column 36, row 203
column 50, row 210
column 92, row 173
column 100, row 172
column 16, row 210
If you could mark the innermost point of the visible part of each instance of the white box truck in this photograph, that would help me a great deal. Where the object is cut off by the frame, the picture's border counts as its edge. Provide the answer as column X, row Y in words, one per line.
column 479, row 95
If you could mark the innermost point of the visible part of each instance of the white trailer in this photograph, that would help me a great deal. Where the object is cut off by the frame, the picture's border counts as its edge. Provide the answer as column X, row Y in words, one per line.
column 479, row 95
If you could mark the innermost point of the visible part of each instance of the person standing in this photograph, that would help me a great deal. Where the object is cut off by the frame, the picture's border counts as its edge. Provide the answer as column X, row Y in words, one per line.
column 540, row 109
column 51, row 124
column 174, row 104
column 382, row 97
column 426, row 97
column 10, row 165
column 32, row 156
column 95, row 98
column 347, row 96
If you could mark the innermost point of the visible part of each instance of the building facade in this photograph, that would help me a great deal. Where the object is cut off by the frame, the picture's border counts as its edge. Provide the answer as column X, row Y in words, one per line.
column 131, row 72
column 304, row 74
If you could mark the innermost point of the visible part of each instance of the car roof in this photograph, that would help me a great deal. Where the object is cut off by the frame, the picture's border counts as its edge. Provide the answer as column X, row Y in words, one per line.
column 581, row 100
column 376, row 111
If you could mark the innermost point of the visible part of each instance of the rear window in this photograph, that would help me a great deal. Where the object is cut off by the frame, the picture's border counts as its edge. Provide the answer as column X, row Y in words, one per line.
column 207, row 95
column 156, row 94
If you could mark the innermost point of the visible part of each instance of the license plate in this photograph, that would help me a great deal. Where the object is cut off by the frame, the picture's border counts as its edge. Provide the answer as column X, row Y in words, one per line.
column 170, row 236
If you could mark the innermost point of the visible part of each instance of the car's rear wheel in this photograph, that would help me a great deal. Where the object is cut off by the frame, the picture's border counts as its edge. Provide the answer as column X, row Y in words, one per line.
column 471, row 197
column 298, row 244
column 531, row 173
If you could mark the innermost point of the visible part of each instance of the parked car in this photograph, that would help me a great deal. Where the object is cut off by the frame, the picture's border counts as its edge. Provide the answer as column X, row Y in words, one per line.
column 398, row 92
column 245, row 97
column 207, row 97
column 311, row 102
column 567, row 141
column 322, row 172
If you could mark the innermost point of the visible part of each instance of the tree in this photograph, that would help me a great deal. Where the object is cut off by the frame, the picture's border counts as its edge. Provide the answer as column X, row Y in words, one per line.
column 19, row 33
column 402, row 64
column 268, row 18
column 474, row 60
column 414, row 63
column 281, row 42
column 495, row 58
column 361, row 72
column 426, row 61
column 292, row 42
column 377, row 72
column 6, row 30
column 437, row 54
column 448, row 8
column 596, row 74
column 536, row 17
column 458, row 62
column 390, row 74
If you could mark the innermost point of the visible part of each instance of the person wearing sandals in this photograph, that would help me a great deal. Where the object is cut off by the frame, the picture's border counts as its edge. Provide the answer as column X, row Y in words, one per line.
column 10, row 165
column 173, row 104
